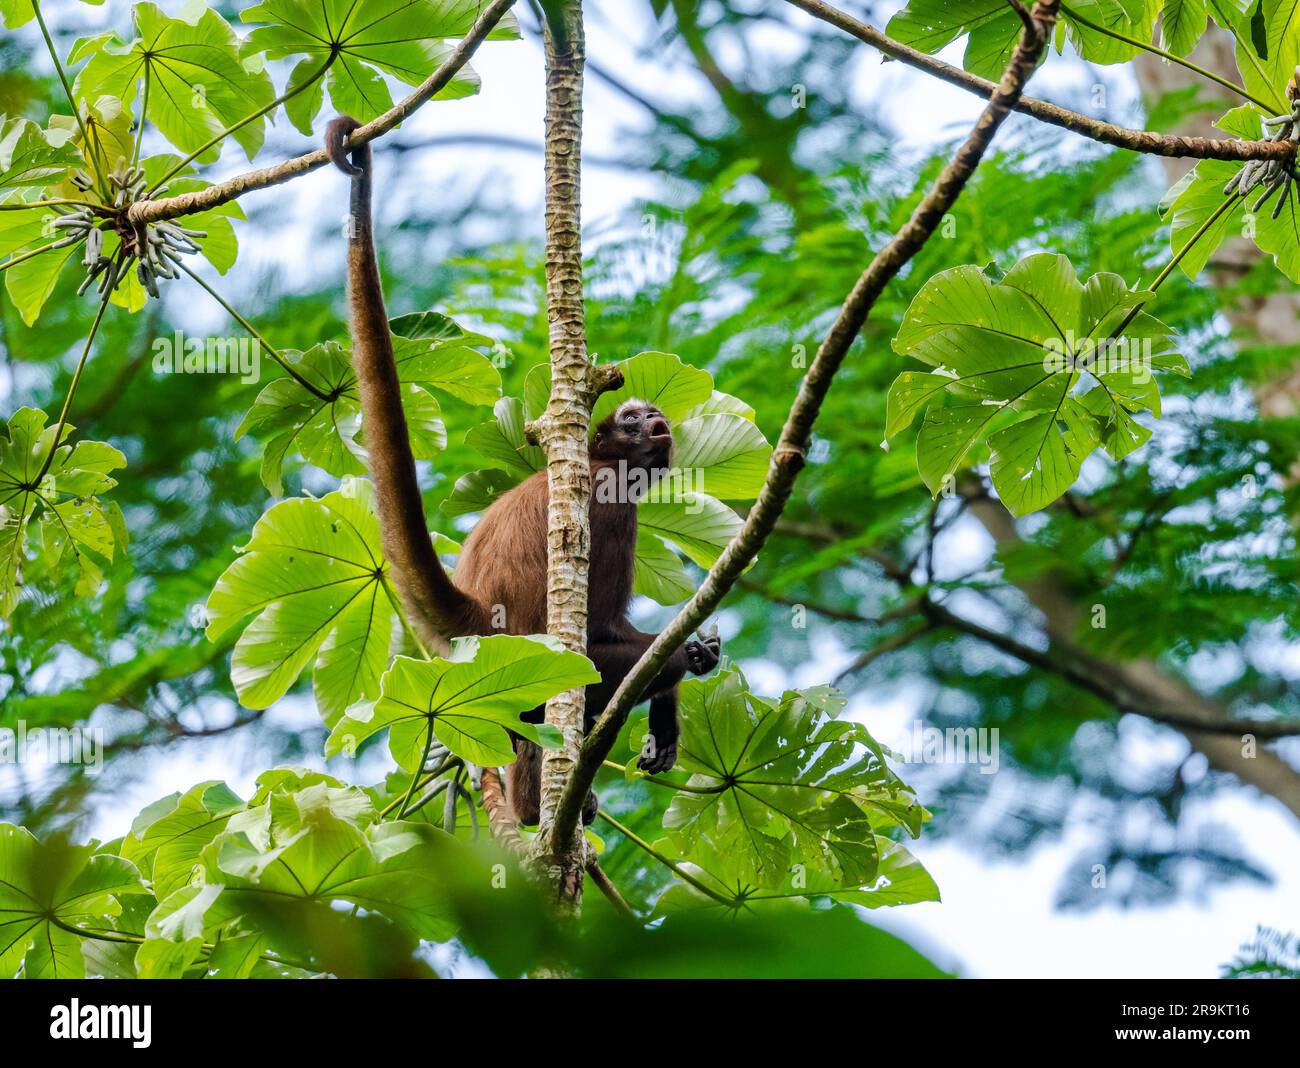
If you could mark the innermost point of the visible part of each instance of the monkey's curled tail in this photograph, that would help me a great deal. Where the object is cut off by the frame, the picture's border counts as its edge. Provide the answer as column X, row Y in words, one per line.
column 435, row 607
column 336, row 135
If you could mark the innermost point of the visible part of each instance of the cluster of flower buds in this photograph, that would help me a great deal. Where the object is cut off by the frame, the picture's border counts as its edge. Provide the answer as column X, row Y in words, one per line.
column 161, row 250
column 1272, row 174
column 128, row 185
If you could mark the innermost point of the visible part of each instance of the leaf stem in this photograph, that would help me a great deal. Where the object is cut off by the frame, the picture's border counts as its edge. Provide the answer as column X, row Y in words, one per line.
column 14, row 261
column 56, row 203
column 144, row 110
column 72, row 387
column 415, row 776
column 665, row 782
column 270, row 349
column 1201, row 231
column 67, row 89
column 676, row 869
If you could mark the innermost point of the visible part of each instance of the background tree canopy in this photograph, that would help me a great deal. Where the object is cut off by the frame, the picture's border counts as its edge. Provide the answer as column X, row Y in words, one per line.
column 1106, row 578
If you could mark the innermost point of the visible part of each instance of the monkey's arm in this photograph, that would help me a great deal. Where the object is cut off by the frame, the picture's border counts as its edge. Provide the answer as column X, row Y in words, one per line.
column 437, row 609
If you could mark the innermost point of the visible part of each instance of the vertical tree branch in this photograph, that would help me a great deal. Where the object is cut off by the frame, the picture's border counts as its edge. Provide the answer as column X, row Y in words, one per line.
column 562, row 430
column 791, row 450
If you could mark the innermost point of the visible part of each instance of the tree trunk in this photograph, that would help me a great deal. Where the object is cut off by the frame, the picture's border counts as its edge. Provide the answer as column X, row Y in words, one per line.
column 562, row 430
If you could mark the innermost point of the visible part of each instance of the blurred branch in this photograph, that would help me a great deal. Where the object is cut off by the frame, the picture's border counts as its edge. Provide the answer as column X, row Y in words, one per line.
column 519, row 144
column 597, row 875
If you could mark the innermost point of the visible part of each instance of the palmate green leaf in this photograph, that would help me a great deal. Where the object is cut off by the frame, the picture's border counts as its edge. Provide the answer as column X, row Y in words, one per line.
column 697, row 524
column 73, row 520
column 328, row 432
column 658, row 572
column 992, row 29
column 198, row 84
column 470, row 700
column 47, row 888
column 1268, row 44
column 313, row 853
column 315, row 575
column 901, row 879
column 274, row 873
column 30, row 156
column 501, row 441
column 1042, row 368
column 167, row 838
column 361, row 43
column 778, row 784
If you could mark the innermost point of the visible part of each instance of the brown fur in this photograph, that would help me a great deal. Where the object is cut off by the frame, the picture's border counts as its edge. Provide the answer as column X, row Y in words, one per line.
column 503, row 562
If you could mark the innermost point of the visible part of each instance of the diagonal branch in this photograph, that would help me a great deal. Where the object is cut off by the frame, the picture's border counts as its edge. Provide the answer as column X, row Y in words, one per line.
column 146, row 211
column 1108, row 133
column 789, row 455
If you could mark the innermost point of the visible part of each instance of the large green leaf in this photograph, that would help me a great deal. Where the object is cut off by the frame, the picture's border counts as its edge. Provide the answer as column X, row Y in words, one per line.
column 48, row 891
column 1022, row 358
column 781, row 790
column 992, row 29
column 468, row 701
column 1268, row 46
column 291, row 853
column 327, row 431
column 697, row 524
column 73, row 520
column 315, row 575
column 361, row 43
column 167, row 838
column 725, row 456
column 30, row 156
column 195, row 81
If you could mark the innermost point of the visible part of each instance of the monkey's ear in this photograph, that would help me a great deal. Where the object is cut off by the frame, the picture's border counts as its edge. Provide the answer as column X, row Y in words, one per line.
column 598, row 442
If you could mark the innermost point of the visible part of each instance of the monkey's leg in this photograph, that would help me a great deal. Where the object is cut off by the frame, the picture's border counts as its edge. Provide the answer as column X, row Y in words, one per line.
column 524, row 779
column 524, row 782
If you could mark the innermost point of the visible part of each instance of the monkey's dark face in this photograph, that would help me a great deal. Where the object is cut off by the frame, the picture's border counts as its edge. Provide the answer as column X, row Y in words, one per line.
column 638, row 433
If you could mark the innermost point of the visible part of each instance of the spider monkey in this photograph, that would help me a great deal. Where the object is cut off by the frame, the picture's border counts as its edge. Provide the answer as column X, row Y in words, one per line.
column 500, row 581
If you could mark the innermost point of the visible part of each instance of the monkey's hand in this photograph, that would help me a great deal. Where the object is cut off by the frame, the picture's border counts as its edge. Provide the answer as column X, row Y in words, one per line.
column 702, row 653
column 656, row 757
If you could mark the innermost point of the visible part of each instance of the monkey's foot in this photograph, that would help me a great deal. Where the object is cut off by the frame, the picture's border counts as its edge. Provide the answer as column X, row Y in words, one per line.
column 655, row 758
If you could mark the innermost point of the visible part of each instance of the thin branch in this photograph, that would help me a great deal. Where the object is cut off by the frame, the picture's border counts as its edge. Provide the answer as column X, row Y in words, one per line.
column 1093, row 675
column 597, row 875
column 1108, row 133
column 891, row 644
column 790, row 454
column 202, row 199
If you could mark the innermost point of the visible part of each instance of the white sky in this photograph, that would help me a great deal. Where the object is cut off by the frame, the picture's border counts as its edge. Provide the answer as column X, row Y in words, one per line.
column 996, row 919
